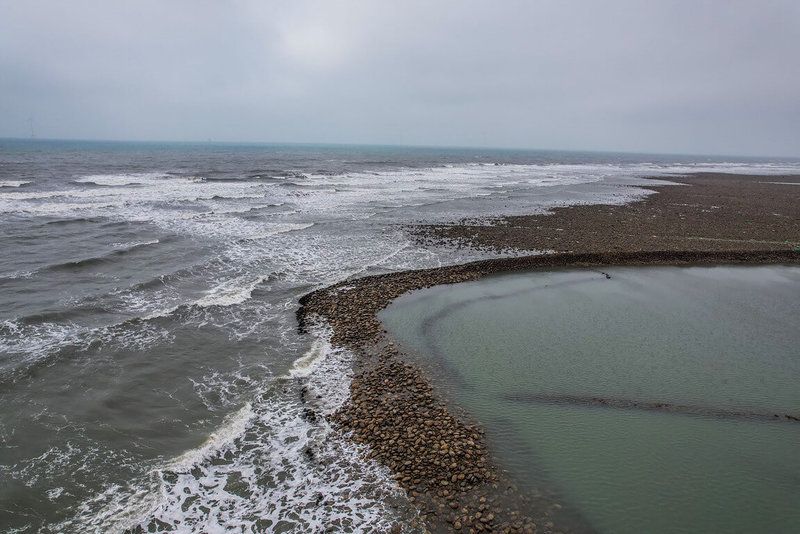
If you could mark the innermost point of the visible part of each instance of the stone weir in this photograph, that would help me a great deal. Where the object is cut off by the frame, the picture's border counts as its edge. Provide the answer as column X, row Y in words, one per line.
column 437, row 456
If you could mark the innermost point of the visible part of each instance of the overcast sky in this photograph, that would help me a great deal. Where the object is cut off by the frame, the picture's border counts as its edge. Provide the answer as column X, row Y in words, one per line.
column 714, row 77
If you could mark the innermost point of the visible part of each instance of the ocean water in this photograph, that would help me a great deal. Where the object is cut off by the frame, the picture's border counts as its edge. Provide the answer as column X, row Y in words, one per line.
column 151, row 373
column 698, row 368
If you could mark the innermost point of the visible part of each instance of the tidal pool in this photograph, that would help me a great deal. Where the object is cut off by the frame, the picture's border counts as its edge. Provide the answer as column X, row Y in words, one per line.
column 658, row 399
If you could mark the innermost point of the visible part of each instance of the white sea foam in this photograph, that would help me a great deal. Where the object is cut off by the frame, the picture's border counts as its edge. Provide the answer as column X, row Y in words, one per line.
column 63, row 208
column 245, row 209
column 415, row 186
column 134, row 244
column 49, row 467
column 35, row 343
column 270, row 465
column 306, row 364
column 231, row 292
column 55, row 493
column 125, row 179
column 13, row 183
column 224, row 436
column 280, row 230
column 224, row 390
column 270, row 461
column 16, row 274
column 228, row 293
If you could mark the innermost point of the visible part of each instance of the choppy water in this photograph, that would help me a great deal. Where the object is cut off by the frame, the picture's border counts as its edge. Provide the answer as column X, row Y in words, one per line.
column 151, row 376
column 698, row 369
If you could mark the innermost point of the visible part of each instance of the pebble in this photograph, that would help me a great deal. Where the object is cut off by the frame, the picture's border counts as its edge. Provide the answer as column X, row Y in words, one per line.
column 440, row 460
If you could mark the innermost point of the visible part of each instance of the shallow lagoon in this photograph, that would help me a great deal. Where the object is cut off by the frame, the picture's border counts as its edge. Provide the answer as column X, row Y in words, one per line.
column 653, row 399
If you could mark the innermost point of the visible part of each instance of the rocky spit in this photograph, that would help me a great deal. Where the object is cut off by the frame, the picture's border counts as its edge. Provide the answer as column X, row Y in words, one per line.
column 440, row 459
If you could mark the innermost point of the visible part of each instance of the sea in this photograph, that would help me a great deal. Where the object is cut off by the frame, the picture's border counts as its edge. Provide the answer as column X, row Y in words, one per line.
column 152, row 376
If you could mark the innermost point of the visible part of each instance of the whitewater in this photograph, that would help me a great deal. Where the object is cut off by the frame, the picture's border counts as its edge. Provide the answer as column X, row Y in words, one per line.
column 152, row 378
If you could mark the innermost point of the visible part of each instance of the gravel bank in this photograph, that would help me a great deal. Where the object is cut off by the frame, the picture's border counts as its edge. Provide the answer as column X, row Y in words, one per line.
column 441, row 460
column 715, row 212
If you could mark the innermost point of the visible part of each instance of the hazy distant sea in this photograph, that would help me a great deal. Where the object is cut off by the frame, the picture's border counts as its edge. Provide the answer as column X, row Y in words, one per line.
column 150, row 368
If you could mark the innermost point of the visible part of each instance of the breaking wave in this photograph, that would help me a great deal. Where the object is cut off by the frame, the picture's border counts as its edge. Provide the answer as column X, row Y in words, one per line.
column 13, row 183
column 251, row 246
column 274, row 464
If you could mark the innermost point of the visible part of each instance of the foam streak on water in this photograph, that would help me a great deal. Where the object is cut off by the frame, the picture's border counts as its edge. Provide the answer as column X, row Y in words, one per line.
column 272, row 464
column 148, row 342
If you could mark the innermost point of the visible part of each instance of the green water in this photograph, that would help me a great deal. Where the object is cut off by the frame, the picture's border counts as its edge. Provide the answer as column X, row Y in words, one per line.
column 526, row 353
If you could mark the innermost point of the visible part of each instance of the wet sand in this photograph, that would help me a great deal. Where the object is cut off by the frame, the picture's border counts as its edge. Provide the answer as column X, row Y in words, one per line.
column 441, row 459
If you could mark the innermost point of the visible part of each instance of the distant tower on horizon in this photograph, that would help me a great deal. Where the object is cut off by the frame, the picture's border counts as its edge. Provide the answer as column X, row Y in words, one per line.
column 32, row 123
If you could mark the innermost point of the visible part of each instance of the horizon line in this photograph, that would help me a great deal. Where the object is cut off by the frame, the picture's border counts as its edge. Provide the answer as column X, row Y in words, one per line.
column 385, row 145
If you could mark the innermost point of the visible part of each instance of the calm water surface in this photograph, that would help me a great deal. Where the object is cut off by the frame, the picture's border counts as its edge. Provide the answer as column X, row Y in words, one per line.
column 697, row 367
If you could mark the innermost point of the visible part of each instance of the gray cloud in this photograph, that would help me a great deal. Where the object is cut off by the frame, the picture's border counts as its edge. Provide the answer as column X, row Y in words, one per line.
column 671, row 76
